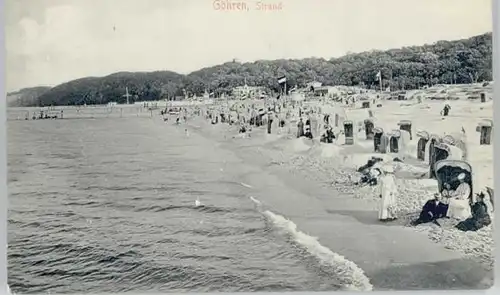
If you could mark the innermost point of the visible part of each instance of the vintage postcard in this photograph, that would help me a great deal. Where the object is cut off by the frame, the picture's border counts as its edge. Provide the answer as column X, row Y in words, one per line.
column 249, row 146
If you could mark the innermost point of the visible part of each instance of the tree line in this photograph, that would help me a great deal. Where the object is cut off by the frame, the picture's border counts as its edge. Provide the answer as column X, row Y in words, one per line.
column 444, row 62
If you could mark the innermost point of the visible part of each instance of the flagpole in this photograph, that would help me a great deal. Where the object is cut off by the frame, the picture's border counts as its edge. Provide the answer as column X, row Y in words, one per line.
column 285, row 97
column 380, row 80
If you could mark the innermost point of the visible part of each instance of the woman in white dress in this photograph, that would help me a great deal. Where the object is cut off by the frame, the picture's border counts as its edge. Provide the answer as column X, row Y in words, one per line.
column 388, row 194
column 459, row 207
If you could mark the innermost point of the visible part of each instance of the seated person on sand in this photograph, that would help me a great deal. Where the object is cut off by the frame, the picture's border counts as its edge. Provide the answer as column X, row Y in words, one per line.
column 327, row 136
column 243, row 129
column 369, row 164
column 281, row 122
column 308, row 132
column 459, row 207
column 432, row 210
column 370, row 176
column 480, row 217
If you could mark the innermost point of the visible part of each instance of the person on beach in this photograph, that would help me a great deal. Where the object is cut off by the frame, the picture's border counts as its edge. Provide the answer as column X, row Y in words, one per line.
column 243, row 129
column 480, row 217
column 432, row 210
column 314, row 124
column 328, row 136
column 369, row 164
column 281, row 120
column 308, row 132
column 370, row 176
column 300, row 128
column 269, row 121
column 388, row 194
column 446, row 190
column 459, row 205
column 446, row 110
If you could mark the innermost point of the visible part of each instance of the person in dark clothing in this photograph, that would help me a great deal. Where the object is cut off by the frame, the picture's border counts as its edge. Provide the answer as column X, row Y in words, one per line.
column 326, row 119
column 432, row 210
column 370, row 177
column 300, row 128
column 446, row 110
column 308, row 132
column 480, row 217
column 269, row 122
column 328, row 136
column 243, row 129
column 369, row 164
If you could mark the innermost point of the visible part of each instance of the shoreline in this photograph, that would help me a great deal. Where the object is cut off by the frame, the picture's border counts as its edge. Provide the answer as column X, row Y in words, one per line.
column 322, row 167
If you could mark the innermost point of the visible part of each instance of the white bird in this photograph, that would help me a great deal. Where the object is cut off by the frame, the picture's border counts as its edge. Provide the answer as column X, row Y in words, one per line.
column 197, row 203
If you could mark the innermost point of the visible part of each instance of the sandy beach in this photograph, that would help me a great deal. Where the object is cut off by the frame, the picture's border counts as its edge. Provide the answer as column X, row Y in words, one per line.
column 330, row 216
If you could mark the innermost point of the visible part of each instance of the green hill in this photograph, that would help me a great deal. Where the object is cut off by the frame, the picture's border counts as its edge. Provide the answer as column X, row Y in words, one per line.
column 461, row 61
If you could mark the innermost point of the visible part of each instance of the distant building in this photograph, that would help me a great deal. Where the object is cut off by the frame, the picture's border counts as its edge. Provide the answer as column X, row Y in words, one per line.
column 248, row 91
column 151, row 103
column 314, row 85
column 325, row 91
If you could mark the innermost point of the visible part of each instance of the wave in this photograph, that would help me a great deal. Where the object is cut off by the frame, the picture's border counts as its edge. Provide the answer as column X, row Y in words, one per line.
column 351, row 276
column 203, row 208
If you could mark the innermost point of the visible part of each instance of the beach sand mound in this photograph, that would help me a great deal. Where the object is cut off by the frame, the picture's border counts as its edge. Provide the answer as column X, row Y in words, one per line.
column 327, row 150
column 357, row 160
column 301, row 144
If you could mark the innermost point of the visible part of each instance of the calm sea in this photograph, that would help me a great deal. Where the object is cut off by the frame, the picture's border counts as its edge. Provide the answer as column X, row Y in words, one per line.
column 108, row 205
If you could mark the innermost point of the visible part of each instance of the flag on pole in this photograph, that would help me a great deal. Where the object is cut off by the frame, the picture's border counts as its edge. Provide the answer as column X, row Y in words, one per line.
column 282, row 80
column 379, row 75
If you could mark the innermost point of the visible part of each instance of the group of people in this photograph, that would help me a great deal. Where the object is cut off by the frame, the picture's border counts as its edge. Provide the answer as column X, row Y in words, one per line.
column 457, row 204
column 451, row 203
column 304, row 130
column 370, row 171
column 376, row 173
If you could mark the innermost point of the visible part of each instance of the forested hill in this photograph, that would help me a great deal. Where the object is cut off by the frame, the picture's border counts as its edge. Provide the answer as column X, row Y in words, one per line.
column 26, row 96
column 461, row 61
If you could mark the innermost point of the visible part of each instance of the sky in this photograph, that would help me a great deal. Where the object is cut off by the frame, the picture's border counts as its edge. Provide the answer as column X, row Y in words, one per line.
column 54, row 41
